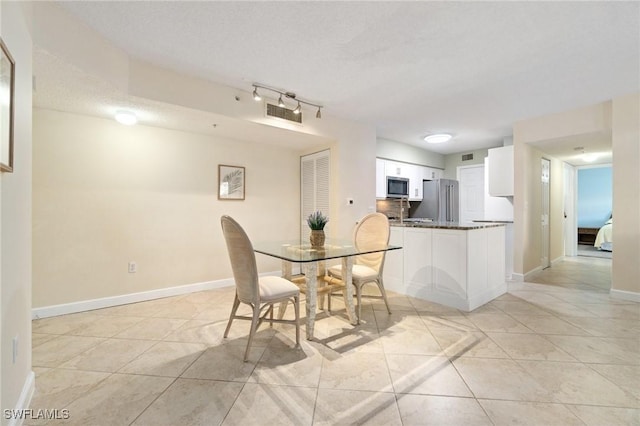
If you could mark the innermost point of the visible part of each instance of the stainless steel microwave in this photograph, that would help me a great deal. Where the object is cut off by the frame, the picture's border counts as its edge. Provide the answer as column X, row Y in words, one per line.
column 397, row 187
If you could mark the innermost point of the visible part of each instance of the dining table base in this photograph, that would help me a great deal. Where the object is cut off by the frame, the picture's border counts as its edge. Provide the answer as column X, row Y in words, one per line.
column 311, row 278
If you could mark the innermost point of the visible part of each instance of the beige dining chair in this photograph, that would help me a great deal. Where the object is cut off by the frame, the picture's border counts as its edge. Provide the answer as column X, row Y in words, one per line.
column 372, row 231
column 261, row 293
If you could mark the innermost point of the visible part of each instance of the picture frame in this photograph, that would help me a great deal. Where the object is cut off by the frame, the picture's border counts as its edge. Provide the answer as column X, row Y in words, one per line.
column 7, row 100
column 231, row 182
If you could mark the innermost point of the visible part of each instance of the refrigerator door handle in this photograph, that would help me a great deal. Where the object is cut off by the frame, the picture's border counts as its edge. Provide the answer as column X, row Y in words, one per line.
column 447, row 210
column 451, row 202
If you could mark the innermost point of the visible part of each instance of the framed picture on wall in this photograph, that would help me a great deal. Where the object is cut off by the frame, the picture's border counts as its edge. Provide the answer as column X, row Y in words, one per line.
column 231, row 182
column 7, row 100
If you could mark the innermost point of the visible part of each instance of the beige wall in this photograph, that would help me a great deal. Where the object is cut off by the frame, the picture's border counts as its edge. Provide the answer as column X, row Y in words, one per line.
column 397, row 151
column 106, row 194
column 626, row 194
column 15, row 222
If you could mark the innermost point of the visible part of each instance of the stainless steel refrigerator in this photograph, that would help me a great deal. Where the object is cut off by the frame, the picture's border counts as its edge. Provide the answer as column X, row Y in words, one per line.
column 440, row 201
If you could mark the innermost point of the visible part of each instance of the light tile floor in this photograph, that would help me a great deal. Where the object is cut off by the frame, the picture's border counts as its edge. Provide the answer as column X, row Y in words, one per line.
column 554, row 351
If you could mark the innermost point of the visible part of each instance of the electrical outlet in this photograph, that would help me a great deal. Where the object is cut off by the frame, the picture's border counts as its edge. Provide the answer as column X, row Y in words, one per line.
column 15, row 349
column 133, row 267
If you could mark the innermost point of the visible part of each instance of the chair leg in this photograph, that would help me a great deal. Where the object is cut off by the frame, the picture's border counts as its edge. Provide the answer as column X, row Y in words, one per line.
column 296, row 304
column 384, row 293
column 252, row 331
column 236, row 303
column 271, row 316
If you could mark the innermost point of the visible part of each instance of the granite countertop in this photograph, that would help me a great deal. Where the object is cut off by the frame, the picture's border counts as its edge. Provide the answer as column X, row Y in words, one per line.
column 465, row 226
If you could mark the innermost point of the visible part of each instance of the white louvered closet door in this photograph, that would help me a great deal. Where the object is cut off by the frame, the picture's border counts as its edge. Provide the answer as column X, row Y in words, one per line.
column 314, row 187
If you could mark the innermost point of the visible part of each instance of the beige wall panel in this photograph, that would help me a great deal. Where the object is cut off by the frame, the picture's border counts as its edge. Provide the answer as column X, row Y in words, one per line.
column 626, row 194
column 15, row 216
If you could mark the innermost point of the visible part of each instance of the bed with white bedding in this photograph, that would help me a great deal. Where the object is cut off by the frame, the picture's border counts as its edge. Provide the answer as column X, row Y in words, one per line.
column 604, row 239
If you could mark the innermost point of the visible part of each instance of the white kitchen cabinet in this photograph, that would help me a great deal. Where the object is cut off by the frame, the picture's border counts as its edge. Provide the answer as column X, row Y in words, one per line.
column 396, row 169
column 460, row 268
column 429, row 173
column 393, row 272
column 418, row 271
column 415, row 182
column 501, row 171
column 381, row 179
column 415, row 173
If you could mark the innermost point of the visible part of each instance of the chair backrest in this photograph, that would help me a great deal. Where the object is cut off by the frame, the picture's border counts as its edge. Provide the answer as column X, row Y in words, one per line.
column 243, row 260
column 372, row 231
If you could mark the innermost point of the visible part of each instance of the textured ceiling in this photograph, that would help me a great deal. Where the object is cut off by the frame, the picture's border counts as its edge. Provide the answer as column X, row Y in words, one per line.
column 409, row 68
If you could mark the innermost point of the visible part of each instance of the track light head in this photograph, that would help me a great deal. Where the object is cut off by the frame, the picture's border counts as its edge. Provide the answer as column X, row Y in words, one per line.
column 298, row 109
column 281, row 102
column 256, row 96
column 318, row 114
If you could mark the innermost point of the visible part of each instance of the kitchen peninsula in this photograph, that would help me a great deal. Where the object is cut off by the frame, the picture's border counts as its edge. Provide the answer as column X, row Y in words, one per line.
column 461, row 265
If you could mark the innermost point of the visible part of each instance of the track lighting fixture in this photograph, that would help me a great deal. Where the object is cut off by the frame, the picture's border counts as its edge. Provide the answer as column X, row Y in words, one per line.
column 287, row 95
column 256, row 96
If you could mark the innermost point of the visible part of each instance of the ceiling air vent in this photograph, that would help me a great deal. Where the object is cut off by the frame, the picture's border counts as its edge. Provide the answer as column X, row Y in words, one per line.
column 467, row 157
column 283, row 113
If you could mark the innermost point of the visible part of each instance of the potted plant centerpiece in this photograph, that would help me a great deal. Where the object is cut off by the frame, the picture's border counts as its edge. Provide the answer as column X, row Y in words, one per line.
column 316, row 222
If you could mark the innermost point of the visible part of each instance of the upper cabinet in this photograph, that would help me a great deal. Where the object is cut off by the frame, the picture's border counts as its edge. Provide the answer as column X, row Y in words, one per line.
column 429, row 173
column 415, row 173
column 501, row 171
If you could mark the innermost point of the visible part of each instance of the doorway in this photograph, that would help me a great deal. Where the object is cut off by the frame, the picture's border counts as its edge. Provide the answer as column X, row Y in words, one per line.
column 471, row 181
column 544, row 247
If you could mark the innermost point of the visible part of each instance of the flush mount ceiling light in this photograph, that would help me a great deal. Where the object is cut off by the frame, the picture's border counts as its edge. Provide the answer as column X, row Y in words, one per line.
column 126, row 117
column 438, row 138
column 287, row 95
column 587, row 157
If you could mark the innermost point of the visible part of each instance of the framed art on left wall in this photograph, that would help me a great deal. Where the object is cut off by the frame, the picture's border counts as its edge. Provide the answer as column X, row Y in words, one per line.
column 231, row 182
column 7, row 99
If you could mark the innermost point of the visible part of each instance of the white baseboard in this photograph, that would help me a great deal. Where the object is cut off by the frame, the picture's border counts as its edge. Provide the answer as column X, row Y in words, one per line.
column 24, row 401
column 625, row 295
column 556, row 260
column 531, row 272
column 123, row 299
column 517, row 278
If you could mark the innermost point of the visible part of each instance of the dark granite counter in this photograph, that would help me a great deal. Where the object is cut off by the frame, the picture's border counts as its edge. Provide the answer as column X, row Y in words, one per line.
column 465, row 226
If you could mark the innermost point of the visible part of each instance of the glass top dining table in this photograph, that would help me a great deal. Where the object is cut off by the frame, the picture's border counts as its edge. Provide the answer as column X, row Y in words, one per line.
column 312, row 260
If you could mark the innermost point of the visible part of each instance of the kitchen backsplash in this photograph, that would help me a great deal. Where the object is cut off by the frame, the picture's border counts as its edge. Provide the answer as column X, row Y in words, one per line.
column 391, row 208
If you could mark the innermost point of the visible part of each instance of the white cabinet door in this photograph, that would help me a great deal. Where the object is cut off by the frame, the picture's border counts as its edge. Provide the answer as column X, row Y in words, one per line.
column 501, row 171
column 415, row 182
column 393, row 273
column 418, row 274
column 381, row 179
column 429, row 173
column 395, row 169
column 450, row 262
